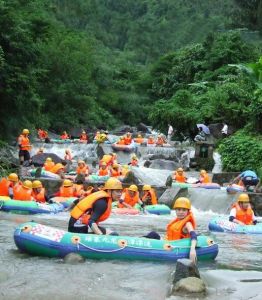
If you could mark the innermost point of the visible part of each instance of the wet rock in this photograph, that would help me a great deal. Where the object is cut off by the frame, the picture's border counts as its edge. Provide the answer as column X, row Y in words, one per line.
column 170, row 195
column 73, row 258
column 143, row 128
column 131, row 178
column 169, row 181
column 224, row 178
column 38, row 160
column 7, row 157
column 256, row 202
column 147, row 163
column 163, row 164
column 123, row 129
column 185, row 268
column 190, row 285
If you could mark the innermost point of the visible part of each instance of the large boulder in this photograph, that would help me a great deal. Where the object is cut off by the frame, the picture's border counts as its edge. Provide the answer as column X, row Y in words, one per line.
column 163, row 164
column 190, row 285
column 170, row 195
column 38, row 160
column 185, row 268
column 131, row 178
column 143, row 128
column 123, row 130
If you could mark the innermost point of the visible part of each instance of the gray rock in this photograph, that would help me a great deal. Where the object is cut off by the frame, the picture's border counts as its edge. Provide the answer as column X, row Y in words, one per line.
column 131, row 178
column 147, row 163
column 170, row 195
column 169, row 181
column 185, row 268
column 163, row 164
column 143, row 128
column 73, row 258
column 38, row 160
column 191, row 285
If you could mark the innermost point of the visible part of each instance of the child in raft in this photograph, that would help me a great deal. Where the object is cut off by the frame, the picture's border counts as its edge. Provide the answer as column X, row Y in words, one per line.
column 182, row 227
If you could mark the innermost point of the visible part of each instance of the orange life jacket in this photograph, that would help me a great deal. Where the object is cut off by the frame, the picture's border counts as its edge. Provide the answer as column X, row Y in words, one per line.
column 179, row 178
column 139, row 140
column 78, row 190
column 128, row 140
column 48, row 165
column 83, row 170
column 103, row 172
column 5, row 184
column 160, row 142
column 23, row 194
column 150, row 194
column 130, row 200
column 39, row 197
column 66, row 191
column 40, row 133
column 134, row 162
column 84, row 207
column 245, row 216
column 115, row 173
column 24, row 142
column 175, row 228
column 205, row 178
column 64, row 137
column 121, row 142
column 83, row 137
column 150, row 141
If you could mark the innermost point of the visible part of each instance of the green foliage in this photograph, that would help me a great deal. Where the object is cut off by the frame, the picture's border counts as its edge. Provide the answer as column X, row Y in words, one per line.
column 241, row 151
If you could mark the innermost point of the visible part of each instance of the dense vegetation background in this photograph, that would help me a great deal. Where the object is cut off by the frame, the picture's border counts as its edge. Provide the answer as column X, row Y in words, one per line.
column 67, row 63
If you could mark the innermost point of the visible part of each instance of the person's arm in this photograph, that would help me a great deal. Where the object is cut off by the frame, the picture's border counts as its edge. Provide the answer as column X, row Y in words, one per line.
column 98, row 209
column 232, row 217
column 192, row 253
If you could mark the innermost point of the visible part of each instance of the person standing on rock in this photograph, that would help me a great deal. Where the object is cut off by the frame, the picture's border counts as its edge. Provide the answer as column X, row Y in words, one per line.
column 24, row 146
column 170, row 133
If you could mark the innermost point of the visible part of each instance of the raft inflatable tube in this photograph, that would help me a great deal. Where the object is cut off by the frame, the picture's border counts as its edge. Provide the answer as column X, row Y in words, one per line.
column 184, row 185
column 45, row 174
column 65, row 201
column 126, row 148
column 235, row 188
column 59, row 141
column 221, row 224
column 41, row 240
column 210, row 186
column 97, row 178
column 30, row 207
column 158, row 209
column 126, row 211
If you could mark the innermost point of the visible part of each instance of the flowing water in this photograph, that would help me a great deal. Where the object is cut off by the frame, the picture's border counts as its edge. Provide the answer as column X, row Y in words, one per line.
column 235, row 274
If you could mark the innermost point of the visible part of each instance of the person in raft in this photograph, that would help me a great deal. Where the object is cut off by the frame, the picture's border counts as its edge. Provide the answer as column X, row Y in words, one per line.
column 7, row 185
column 241, row 212
column 95, row 208
column 182, row 227
column 249, row 179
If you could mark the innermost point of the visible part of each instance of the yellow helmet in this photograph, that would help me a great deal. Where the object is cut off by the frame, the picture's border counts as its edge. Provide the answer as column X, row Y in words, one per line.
column 115, row 166
column 202, row 172
column 13, row 177
column 243, row 198
column 133, row 188
column 146, row 187
column 81, row 162
column 125, row 167
column 67, row 183
column 27, row 184
column 139, row 136
column 37, row 184
column 25, row 131
column 103, row 163
column 182, row 202
column 49, row 159
column 180, row 170
column 113, row 184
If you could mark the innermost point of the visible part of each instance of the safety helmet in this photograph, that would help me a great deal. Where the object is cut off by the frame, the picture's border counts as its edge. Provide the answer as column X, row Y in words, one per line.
column 146, row 187
column 133, row 188
column 203, row 172
column 41, row 149
column 180, row 170
column 182, row 202
column 243, row 198
column 83, row 132
column 115, row 166
column 27, row 184
column 67, row 183
column 113, row 184
column 58, row 167
column 139, row 136
column 37, row 184
column 80, row 162
column 25, row 131
column 103, row 163
column 49, row 159
column 133, row 156
column 13, row 177
column 125, row 167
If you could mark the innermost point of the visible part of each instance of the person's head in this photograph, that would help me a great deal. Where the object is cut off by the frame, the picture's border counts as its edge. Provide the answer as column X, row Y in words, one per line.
column 37, row 185
column 139, row 135
column 128, row 134
column 132, row 190
column 83, row 132
column 114, row 188
column 115, row 166
column 67, row 183
column 180, row 171
column 48, row 159
column 203, row 172
column 81, row 164
column 13, row 177
column 27, row 184
column 25, row 132
column 64, row 132
column 67, row 151
column 41, row 150
column 243, row 201
column 146, row 188
column 182, row 207
column 103, row 165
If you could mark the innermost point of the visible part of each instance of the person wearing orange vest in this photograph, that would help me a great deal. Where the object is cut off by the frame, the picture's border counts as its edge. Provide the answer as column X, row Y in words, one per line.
column 134, row 161
column 38, row 192
column 121, row 141
column 82, row 168
column 64, row 136
column 8, row 184
column 160, row 141
column 49, row 164
column 83, row 137
column 149, row 196
column 203, row 177
column 66, row 190
column 103, row 170
column 241, row 212
column 139, row 139
column 183, row 226
column 24, row 192
column 150, row 141
column 95, row 208
column 179, row 176
column 115, row 171
column 58, row 169
column 128, row 139
column 130, row 197
column 24, row 146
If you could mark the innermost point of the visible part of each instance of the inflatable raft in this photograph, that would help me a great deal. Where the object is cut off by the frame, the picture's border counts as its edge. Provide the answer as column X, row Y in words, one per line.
column 156, row 209
column 209, row 186
column 126, row 148
column 222, row 224
column 235, row 188
column 37, row 239
column 30, row 207
column 44, row 174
